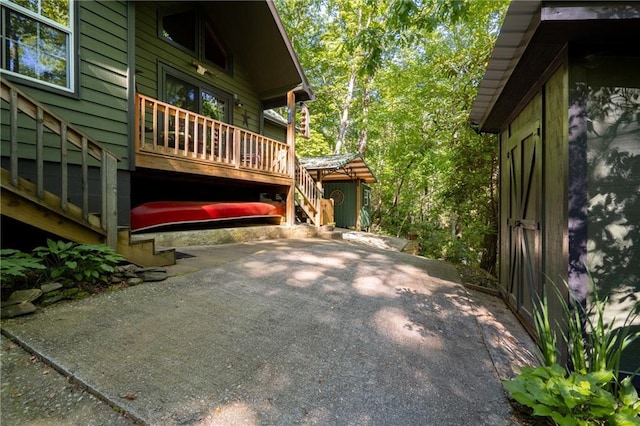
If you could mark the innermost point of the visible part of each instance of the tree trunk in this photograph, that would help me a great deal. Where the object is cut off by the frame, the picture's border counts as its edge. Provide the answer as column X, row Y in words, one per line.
column 344, row 119
column 366, row 96
column 489, row 260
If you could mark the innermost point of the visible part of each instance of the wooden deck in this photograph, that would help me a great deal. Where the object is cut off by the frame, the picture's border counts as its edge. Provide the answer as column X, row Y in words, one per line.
column 177, row 140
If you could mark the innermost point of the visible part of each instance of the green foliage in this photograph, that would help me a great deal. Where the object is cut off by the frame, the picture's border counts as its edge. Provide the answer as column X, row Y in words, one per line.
column 15, row 265
column 547, row 339
column 594, row 345
column 603, row 345
column 591, row 393
column 395, row 80
column 78, row 262
column 576, row 398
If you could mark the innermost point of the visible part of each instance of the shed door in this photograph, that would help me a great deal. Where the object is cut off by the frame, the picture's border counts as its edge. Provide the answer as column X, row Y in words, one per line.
column 524, row 157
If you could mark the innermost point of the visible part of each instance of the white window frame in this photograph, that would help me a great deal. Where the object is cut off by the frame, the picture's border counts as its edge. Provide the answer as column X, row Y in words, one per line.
column 71, row 45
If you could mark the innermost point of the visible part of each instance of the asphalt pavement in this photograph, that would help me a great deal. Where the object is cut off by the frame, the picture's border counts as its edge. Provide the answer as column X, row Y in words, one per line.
column 277, row 332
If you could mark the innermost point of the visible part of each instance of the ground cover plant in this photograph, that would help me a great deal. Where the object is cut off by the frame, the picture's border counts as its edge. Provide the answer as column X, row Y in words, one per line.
column 87, row 267
column 589, row 391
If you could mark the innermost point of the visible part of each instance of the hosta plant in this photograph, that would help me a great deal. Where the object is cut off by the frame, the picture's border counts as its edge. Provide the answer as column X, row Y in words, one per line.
column 79, row 262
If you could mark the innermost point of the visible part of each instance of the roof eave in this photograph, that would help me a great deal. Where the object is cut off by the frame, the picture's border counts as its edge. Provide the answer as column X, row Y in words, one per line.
column 519, row 26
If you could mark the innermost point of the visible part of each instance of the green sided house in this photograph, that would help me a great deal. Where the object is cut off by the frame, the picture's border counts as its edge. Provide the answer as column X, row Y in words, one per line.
column 562, row 91
column 108, row 105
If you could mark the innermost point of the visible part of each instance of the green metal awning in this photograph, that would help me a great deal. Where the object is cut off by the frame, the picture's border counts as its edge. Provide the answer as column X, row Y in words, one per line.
column 340, row 167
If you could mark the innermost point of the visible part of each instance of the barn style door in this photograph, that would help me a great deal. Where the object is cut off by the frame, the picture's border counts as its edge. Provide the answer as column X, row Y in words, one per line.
column 524, row 159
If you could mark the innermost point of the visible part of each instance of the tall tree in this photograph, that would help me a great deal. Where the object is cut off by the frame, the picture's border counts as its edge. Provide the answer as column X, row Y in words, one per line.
column 395, row 79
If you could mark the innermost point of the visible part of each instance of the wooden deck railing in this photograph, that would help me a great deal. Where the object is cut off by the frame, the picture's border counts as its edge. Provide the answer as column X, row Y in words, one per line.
column 71, row 143
column 175, row 132
column 310, row 191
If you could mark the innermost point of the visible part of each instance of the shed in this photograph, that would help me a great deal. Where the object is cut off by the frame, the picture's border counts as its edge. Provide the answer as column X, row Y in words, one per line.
column 345, row 178
column 562, row 91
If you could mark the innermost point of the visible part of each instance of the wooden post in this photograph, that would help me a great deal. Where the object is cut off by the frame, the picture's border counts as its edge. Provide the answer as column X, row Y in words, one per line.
column 358, row 204
column 236, row 148
column 13, row 132
column 291, row 141
column 318, row 201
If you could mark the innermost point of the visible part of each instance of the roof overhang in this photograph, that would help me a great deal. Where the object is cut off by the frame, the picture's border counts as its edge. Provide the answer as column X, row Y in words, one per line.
column 532, row 36
column 256, row 35
column 344, row 167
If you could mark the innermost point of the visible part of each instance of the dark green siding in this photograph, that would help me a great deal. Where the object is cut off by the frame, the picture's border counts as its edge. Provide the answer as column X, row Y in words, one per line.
column 274, row 131
column 101, row 108
column 152, row 52
column 345, row 213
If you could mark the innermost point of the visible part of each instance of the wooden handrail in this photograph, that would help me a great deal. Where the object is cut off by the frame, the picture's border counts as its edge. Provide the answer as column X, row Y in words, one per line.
column 167, row 130
column 309, row 189
column 24, row 111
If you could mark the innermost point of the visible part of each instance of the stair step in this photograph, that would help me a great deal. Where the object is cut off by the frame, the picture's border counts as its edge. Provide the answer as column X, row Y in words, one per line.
column 143, row 252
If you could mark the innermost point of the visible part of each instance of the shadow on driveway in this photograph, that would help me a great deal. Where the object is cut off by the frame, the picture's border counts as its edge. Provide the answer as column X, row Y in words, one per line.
column 288, row 332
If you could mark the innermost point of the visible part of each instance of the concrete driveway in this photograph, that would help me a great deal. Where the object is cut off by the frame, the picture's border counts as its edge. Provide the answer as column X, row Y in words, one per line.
column 289, row 332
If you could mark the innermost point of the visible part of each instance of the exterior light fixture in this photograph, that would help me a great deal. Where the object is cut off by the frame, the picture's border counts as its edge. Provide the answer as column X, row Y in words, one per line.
column 199, row 68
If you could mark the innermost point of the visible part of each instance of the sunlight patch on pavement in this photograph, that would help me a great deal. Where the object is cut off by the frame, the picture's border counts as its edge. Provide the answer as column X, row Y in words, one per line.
column 236, row 413
column 394, row 324
column 374, row 287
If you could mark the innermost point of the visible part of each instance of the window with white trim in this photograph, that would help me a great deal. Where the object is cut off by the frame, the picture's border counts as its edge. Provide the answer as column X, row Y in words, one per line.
column 37, row 41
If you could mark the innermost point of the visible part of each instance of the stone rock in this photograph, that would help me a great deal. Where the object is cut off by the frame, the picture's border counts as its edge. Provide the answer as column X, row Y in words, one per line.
column 52, row 299
column 151, row 269
column 49, row 287
column 126, row 268
column 20, row 296
column 153, row 276
column 135, row 281
column 18, row 309
column 116, row 279
column 70, row 292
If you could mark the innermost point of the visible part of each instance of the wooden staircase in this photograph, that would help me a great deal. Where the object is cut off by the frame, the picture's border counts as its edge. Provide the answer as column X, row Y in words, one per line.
column 29, row 202
column 308, row 194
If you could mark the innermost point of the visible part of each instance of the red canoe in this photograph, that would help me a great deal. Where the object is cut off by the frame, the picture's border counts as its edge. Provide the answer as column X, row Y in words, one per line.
column 163, row 213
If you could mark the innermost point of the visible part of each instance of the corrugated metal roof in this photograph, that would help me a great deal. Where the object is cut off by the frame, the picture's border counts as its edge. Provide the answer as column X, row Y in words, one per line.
column 339, row 167
column 519, row 24
column 533, row 35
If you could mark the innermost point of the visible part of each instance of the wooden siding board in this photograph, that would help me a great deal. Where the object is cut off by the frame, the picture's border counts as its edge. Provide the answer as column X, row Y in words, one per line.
column 94, row 48
column 100, row 110
column 555, row 173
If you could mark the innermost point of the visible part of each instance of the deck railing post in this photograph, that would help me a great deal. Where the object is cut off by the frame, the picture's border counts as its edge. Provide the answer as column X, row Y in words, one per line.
column 13, row 135
column 64, row 166
column 109, row 180
column 236, row 148
column 291, row 141
column 40, row 153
